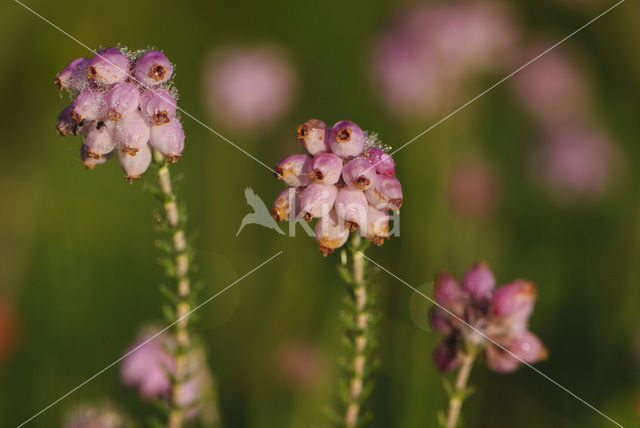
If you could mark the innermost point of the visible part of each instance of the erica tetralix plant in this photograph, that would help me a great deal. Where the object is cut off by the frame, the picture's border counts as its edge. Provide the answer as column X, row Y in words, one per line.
column 474, row 316
column 346, row 181
column 124, row 101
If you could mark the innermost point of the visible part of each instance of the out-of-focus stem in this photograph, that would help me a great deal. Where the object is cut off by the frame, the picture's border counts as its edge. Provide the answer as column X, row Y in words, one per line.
column 362, row 319
column 455, row 402
column 183, row 290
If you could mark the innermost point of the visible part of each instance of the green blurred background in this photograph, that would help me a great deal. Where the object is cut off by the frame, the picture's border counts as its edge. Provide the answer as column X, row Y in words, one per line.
column 79, row 267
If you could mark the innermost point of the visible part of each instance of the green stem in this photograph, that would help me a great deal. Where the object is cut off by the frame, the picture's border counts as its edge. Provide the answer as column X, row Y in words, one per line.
column 361, row 320
column 183, row 291
column 460, row 388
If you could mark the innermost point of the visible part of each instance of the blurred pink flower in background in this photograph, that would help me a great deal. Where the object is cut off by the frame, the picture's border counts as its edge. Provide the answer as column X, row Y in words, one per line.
column 553, row 88
column 472, row 187
column 249, row 88
column 575, row 162
column 8, row 328
column 421, row 62
column 299, row 364
column 103, row 416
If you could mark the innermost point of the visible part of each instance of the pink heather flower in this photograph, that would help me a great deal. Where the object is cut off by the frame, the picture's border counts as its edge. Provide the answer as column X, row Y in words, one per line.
column 74, row 76
column 294, row 170
column 472, row 188
column 158, row 106
column 501, row 314
column 102, row 416
column 314, row 136
column 153, row 68
column 575, row 163
column 326, row 168
column 250, row 88
column 111, row 109
column 108, row 67
column 340, row 183
column 359, row 173
column 347, row 139
column 121, row 100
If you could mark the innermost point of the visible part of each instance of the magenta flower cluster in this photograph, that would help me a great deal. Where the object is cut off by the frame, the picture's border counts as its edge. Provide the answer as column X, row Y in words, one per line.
column 500, row 314
column 122, row 101
column 346, row 180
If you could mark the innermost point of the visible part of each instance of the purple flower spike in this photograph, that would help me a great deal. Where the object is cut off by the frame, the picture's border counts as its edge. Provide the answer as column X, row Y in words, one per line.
column 330, row 233
column 131, row 133
column 447, row 291
column 286, row 199
column 479, row 281
column 108, row 67
column 326, row 168
column 89, row 105
column 316, row 200
column 382, row 161
column 445, row 355
column 347, row 139
column 351, row 207
column 376, row 229
column 65, row 122
column 134, row 166
column 514, row 300
column 91, row 162
column 168, row 139
column 314, row 136
column 294, row 170
column 99, row 139
column 122, row 99
column 158, row 106
column 359, row 174
column 74, row 76
column 153, row 68
column 385, row 193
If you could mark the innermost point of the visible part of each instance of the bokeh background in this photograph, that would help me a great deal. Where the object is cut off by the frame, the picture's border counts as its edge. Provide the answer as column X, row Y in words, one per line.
column 543, row 188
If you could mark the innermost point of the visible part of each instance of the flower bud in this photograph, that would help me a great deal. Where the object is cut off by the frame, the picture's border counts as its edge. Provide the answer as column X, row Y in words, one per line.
column 359, row 173
column 347, row 139
column 446, row 291
column 134, row 166
column 385, row 193
column 514, row 300
column 445, row 355
column 121, row 100
column 326, row 168
column 108, row 67
column 158, row 106
column 131, row 133
column 286, row 199
column 314, row 136
column 153, row 68
column 74, row 76
column 376, row 229
column 351, row 207
column 99, row 139
column 168, row 139
column 330, row 233
column 500, row 361
column 479, row 281
column 89, row 105
column 316, row 200
column 528, row 347
column 65, row 122
column 89, row 161
column 383, row 162
column 294, row 170
column 440, row 320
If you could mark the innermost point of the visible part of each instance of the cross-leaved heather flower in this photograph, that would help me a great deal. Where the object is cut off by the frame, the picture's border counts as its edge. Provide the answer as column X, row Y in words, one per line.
column 123, row 101
column 347, row 181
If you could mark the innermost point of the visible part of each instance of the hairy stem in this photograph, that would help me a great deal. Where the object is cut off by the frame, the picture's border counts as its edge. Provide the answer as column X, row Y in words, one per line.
column 459, row 389
column 361, row 319
column 183, row 290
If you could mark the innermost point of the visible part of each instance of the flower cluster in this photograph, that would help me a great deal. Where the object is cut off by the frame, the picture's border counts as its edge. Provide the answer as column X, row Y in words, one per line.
column 122, row 101
column 347, row 181
column 500, row 314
